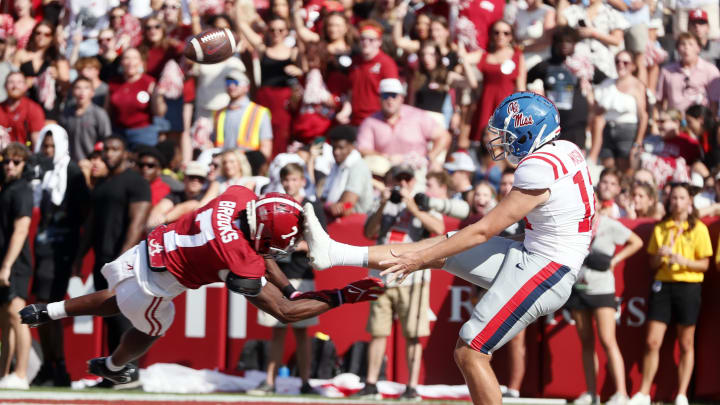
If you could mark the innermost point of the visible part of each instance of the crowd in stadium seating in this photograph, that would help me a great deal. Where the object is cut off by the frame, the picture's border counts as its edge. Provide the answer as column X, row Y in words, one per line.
column 372, row 107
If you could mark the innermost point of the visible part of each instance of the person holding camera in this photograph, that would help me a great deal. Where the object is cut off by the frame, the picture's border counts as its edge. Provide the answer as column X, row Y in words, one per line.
column 399, row 220
column 593, row 296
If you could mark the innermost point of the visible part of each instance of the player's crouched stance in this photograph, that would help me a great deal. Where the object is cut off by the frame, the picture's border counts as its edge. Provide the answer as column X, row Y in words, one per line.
column 524, row 280
column 231, row 240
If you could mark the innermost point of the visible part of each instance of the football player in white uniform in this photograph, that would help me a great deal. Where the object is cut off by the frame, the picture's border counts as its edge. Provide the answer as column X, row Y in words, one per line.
column 524, row 279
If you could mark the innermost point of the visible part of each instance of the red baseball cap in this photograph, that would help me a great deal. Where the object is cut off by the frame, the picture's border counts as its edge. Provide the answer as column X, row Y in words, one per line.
column 698, row 15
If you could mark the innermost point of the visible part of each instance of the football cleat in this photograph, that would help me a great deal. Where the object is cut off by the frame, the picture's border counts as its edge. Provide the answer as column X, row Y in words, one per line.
column 317, row 239
column 123, row 376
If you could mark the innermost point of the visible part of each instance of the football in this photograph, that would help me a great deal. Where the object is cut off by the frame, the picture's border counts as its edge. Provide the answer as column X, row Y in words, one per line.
column 211, row 46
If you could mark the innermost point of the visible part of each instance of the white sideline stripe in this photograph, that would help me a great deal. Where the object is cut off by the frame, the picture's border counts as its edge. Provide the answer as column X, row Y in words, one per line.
column 101, row 396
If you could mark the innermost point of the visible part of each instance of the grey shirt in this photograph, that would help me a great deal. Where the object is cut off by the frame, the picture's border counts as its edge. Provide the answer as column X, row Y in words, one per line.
column 85, row 130
column 610, row 234
column 360, row 182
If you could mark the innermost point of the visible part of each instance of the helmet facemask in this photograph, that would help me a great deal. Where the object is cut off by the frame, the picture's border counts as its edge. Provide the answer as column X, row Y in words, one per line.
column 264, row 241
column 501, row 145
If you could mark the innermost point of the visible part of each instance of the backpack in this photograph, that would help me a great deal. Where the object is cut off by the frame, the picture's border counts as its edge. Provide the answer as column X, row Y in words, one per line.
column 355, row 361
column 323, row 359
column 255, row 355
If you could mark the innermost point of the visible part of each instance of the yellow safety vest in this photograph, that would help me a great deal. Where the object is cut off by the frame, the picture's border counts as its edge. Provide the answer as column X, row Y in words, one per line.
column 248, row 136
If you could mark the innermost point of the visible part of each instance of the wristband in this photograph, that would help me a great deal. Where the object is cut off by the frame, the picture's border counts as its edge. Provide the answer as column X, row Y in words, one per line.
column 288, row 291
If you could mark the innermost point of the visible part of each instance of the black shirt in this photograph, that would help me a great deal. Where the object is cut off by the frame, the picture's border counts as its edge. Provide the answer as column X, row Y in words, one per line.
column 111, row 200
column 297, row 265
column 16, row 201
column 562, row 87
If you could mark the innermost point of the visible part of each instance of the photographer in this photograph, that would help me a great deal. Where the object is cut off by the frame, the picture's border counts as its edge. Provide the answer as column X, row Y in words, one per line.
column 593, row 296
column 399, row 220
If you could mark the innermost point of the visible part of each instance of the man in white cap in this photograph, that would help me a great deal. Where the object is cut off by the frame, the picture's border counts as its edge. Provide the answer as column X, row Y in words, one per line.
column 462, row 171
column 242, row 124
column 402, row 133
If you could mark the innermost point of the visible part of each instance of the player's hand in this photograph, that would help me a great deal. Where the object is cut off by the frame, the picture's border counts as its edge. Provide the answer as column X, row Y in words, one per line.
column 401, row 266
column 367, row 289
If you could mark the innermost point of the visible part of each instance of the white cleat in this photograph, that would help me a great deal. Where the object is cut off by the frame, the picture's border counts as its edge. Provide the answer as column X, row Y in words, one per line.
column 317, row 239
column 639, row 399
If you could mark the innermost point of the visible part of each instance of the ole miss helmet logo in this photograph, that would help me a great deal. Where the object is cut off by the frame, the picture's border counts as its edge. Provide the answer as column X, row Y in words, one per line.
column 520, row 119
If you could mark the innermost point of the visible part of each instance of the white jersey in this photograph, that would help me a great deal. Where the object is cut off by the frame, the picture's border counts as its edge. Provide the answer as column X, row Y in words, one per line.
column 561, row 228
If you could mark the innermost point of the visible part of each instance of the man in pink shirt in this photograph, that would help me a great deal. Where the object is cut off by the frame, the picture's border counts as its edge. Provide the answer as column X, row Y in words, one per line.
column 402, row 133
column 691, row 80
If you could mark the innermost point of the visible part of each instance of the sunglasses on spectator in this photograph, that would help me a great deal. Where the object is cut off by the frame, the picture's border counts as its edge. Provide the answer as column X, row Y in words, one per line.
column 403, row 177
column 117, row 16
column 196, row 178
column 16, row 162
column 386, row 96
column 231, row 82
column 144, row 165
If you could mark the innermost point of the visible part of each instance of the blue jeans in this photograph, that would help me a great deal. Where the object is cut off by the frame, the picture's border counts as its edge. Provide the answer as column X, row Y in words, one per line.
column 147, row 135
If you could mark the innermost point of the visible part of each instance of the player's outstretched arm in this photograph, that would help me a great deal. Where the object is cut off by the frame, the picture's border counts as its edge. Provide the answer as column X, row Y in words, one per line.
column 314, row 303
column 516, row 205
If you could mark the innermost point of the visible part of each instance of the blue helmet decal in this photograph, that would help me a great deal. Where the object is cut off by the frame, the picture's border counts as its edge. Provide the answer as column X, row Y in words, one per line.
column 522, row 123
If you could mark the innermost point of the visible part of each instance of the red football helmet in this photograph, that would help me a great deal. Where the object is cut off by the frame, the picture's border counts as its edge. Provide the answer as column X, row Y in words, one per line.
column 275, row 224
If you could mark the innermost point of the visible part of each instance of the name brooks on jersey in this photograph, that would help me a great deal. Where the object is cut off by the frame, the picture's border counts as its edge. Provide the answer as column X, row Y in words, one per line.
column 223, row 219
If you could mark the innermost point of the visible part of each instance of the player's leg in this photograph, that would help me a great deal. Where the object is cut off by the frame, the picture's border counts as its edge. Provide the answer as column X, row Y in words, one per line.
column 325, row 252
column 605, row 317
column 133, row 345
column 479, row 376
column 584, row 326
column 527, row 286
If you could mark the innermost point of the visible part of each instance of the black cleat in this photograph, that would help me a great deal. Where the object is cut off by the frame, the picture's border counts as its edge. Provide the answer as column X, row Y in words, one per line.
column 35, row 315
column 126, row 375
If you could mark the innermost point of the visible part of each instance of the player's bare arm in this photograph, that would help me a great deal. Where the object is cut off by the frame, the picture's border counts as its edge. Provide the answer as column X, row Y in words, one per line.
column 516, row 205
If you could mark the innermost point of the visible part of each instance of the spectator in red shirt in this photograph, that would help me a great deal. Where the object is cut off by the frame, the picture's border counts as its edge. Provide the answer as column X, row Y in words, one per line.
column 134, row 104
column 25, row 117
column 372, row 66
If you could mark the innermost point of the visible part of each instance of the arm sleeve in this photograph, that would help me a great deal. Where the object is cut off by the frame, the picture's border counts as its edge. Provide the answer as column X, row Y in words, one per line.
column 358, row 176
column 265, row 127
column 104, row 127
column 429, row 126
column 36, row 116
column 365, row 139
column 703, row 246
column 139, row 190
column 620, row 232
column 535, row 174
column 22, row 204
column 654, row 243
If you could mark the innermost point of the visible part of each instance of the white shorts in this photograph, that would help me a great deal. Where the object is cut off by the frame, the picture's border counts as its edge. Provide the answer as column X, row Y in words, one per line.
column 143, row 296
column 521, row 287
column 270, row 321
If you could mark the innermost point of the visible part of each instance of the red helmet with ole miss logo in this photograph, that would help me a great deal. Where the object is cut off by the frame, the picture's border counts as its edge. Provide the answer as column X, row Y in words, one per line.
column 275, row 224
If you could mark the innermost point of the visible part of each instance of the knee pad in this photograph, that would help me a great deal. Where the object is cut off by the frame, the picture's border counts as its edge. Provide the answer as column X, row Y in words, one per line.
column 249, row 287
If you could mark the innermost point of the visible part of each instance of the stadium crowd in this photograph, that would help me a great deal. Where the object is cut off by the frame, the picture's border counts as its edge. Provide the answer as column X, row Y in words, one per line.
column 371, row 107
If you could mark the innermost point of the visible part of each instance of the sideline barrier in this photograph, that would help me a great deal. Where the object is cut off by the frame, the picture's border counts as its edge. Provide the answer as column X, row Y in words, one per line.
column 554, row 367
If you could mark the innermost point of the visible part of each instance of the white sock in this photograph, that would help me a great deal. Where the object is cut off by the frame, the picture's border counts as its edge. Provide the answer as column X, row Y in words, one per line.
column 109, row 364
column 513, row 393
column 342, row 254
column 56, row 310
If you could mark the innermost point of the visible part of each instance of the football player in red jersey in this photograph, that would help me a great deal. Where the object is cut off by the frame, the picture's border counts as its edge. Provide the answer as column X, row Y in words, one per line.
column 232, row 239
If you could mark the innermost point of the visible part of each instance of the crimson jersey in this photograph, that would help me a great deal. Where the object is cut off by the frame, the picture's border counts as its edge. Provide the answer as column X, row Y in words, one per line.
column 200, row 245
